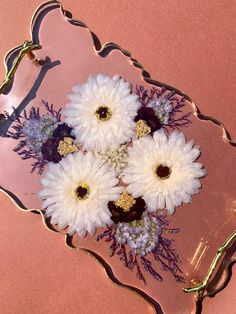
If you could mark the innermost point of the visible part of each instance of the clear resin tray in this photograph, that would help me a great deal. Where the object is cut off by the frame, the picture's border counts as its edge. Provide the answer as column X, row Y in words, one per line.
column 195, row 247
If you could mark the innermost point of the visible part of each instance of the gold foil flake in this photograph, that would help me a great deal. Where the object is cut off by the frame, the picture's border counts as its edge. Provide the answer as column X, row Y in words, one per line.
column 66, row 147
column 142, row 128
column 125, row 202
column 103, row 113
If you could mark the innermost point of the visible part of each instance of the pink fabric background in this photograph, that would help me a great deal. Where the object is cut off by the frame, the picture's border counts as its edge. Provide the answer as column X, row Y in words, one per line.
column 187, row 44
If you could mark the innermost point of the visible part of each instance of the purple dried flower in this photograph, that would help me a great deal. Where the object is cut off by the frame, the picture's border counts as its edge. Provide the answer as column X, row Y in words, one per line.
column 62, row 130
column 148, row 115
column 49, row 150
column 163, row 252
column 141, row 236
column 134, row 213
column 35, row 130
column 159, row 108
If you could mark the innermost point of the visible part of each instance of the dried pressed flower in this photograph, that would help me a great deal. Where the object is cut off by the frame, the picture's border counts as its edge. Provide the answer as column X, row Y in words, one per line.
column 34, row 129
column 120, row 214
column 134, row 242
column 162, row 170
column 141, row 236
column 102, row 111
column 50, row 149
column 76, row 192
column 149, row 116
column 161, row 108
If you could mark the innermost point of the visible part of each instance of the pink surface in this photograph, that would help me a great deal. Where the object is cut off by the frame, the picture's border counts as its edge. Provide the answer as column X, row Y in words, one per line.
column 152, row 66
column 40, row 275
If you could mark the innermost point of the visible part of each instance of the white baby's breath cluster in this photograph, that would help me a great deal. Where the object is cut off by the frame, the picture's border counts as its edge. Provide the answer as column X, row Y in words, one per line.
column 117, row 158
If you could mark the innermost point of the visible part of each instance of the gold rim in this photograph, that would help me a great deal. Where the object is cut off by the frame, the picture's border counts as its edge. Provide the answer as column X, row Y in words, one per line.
column 201, row 287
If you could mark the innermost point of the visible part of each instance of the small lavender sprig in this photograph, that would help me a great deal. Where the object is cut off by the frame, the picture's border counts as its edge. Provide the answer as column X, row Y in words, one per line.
column 30, row 147
column 147, row 265
column 146, row 97
column 164, row 253
column 55, row 113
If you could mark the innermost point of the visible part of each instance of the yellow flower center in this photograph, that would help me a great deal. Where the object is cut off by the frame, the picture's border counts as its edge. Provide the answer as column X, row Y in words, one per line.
column 82, row 191
column 125, row 202
column 163, row 172
column 142, row 128
column 103, row 113
column 66, row 147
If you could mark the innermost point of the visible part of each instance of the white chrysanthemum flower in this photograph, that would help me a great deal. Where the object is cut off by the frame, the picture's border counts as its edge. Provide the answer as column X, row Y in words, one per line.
column 163, row 170
column 76, row 192
column 102, row 112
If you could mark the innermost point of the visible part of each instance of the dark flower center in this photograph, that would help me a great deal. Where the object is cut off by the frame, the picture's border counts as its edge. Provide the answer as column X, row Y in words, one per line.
column 163, row 172
column 82, row 191
column 103, row 113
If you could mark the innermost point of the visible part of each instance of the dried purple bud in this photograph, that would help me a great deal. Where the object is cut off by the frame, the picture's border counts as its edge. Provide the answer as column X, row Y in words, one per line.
column 62, row 130
column 148, row 114
column 134, row 213
column 154, row 124
column 144, row 113
column 49, row 150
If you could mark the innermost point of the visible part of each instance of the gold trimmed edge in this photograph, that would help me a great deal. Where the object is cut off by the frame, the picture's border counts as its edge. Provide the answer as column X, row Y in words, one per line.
column 202, row 286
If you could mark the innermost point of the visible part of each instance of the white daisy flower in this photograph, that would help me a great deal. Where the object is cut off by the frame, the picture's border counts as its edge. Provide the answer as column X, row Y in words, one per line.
column 76, row 192
column 163, row 170
column 102, row 112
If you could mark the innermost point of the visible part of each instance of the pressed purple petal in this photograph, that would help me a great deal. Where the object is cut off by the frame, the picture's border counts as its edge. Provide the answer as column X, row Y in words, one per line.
column 49, row 150
column 62, row 130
